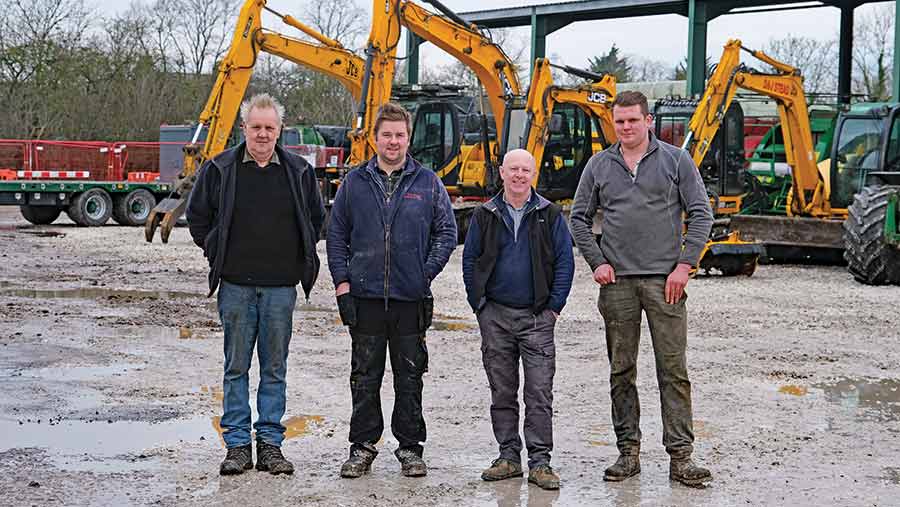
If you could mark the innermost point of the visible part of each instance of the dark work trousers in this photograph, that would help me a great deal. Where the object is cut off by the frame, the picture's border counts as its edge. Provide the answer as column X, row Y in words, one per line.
column 399, row 330
column 506, row 335
column 620, row 305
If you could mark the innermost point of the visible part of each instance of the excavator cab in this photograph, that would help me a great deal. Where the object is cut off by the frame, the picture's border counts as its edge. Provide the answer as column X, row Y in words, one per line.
column 567, row 151
column 723, row 166
column 436, row 136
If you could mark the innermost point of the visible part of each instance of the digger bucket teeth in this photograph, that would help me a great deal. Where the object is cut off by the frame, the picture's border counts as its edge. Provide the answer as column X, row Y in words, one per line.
column 164, row 216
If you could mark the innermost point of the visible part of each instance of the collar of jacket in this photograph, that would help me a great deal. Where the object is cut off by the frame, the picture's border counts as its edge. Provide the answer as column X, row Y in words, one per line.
column 226, row 160
column 616, row 149
column 409, row 166
column 535, row 202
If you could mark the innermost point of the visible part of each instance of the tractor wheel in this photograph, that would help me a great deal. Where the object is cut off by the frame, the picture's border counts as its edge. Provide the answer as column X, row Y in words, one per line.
column 134, row 207
column 869, row 258
column 40, row 215
column 91, row 208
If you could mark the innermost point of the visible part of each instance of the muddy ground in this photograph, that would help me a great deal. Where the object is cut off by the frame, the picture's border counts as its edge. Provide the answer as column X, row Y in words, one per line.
column 111, row 358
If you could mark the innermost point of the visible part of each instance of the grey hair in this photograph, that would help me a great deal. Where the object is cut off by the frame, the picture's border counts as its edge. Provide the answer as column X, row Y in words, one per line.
column 261, row 101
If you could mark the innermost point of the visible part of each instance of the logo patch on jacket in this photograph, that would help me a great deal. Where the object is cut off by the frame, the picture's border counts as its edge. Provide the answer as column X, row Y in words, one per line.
column 410, row 195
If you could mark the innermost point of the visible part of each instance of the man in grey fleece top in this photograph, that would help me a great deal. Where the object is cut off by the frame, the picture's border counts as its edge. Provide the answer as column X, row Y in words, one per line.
column 644, row 188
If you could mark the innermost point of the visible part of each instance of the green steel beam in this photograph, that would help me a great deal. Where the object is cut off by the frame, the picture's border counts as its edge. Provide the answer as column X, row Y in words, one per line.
column 413, row 42
column 845, row 55
column 696, row 65
column 895, row 87
column 538, row 39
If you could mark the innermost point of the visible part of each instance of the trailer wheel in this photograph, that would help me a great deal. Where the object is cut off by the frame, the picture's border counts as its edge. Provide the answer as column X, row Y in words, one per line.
column 40, row 215
column 91, row 208
column 134, row 207
column 869, row 258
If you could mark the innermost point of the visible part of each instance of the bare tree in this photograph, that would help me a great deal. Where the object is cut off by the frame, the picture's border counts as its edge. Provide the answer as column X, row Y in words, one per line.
column 192, row 34
column 342, row 20
column 873, row 53
column 815, row 58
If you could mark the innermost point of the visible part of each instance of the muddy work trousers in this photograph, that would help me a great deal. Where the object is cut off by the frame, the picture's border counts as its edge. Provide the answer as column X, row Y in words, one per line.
column 398, row 330
column 621, row 304
column 508, row 334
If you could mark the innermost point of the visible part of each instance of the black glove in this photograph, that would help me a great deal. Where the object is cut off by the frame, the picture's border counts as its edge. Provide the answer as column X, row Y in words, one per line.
column 426, row 312
column 347, row 309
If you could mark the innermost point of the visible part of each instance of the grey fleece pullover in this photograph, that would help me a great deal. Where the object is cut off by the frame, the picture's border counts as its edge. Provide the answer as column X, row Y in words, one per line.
column 642, row 226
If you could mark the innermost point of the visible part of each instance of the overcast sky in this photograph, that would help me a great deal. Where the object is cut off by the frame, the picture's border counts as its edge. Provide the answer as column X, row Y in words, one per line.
column 660, row 38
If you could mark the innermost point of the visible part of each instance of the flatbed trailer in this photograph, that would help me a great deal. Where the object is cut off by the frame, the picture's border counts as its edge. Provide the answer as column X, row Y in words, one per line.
column 87, row 203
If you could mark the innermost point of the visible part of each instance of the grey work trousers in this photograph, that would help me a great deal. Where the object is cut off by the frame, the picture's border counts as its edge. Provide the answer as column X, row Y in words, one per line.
column 506, row 335
column 620, row 305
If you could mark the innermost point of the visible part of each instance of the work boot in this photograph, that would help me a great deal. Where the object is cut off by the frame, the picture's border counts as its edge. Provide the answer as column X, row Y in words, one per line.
column 626, row 466
column 269, row 459
column 500, row 469
column 688, row 473
column 411, row 464
column 237, row 460
column 359, row 463
column 544, row 477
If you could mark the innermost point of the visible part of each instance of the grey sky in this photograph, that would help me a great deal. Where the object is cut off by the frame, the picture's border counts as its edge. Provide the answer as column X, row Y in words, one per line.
column 660, row 38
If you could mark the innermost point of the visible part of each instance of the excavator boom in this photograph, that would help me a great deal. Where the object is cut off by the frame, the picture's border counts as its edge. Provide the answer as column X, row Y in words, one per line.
column 235, row 70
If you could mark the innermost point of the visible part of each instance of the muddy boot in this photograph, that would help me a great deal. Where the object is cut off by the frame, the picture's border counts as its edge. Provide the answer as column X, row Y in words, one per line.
column 544, row 477
column 626, row 466
column 269, row 459
column 359, row 463
column 237, row 460
column 502, row 469
column 688, row 473
column 411, row 464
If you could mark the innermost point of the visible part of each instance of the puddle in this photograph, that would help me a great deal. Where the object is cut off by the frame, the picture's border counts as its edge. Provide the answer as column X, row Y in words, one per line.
column 793, row 390
column 95, row 292
column 44, row 234
column 294, row 427
column 441, row 325
column 81, row 373
column 881, row 397
column 102, row 438
column 314, row 308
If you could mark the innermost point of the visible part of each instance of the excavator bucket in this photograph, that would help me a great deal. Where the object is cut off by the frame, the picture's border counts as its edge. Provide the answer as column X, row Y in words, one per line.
column 731, row 256
column 164, row 216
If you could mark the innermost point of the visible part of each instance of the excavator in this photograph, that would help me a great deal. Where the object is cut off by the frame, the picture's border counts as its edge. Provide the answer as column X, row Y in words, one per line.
column 235, row 70
column 811, row 221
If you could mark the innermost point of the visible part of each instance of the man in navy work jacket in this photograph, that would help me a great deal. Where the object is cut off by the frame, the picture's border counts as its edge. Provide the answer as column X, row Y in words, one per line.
column 256, row 212
column 644, row 187
column 391, row 232
column 518, row 267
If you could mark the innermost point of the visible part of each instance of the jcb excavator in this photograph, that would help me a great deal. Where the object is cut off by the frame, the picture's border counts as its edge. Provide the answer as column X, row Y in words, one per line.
column 219, row 114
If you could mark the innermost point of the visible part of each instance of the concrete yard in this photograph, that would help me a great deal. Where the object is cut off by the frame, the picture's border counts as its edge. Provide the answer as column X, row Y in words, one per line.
column 111, row 367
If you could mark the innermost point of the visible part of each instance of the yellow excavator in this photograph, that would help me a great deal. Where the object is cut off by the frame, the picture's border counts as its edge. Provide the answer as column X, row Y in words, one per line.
column 235, row 70
column 811, row 222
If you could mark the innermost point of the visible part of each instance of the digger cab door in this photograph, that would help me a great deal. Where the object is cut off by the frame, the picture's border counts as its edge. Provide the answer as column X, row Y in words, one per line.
column 436, row 139
column 568, row 149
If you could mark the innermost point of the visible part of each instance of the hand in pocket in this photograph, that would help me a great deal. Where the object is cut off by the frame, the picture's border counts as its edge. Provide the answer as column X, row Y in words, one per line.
column 347, row 309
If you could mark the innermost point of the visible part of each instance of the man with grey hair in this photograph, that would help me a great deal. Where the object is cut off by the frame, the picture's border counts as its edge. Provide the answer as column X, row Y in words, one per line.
column 518, row 267
column 256, row 212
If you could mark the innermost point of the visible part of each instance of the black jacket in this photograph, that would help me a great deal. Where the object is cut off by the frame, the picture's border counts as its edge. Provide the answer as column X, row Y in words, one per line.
column 211, row 206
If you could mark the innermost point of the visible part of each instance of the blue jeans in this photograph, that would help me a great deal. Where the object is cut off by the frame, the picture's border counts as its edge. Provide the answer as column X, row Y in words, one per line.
column 260, row 316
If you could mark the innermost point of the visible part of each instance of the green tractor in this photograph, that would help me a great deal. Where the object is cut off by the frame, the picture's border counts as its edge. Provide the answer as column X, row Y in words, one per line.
column 865, row 179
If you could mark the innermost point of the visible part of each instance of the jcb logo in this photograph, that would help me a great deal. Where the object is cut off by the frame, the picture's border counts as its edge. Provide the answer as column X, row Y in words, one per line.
column 597, row 97
column 352, row 69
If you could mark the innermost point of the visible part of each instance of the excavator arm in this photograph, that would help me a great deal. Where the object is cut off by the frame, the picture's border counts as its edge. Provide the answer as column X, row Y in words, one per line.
column 786, row 88
column 235, row 70
column 594, row 99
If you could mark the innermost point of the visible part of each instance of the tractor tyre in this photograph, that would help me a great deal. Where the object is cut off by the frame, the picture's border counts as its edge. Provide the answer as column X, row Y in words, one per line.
column 134, row 207
column 870, row 259
column 40, row 215
column 91, row 208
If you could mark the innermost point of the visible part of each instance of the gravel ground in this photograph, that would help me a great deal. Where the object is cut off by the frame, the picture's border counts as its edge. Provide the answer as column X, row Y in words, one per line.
column 111, row 357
